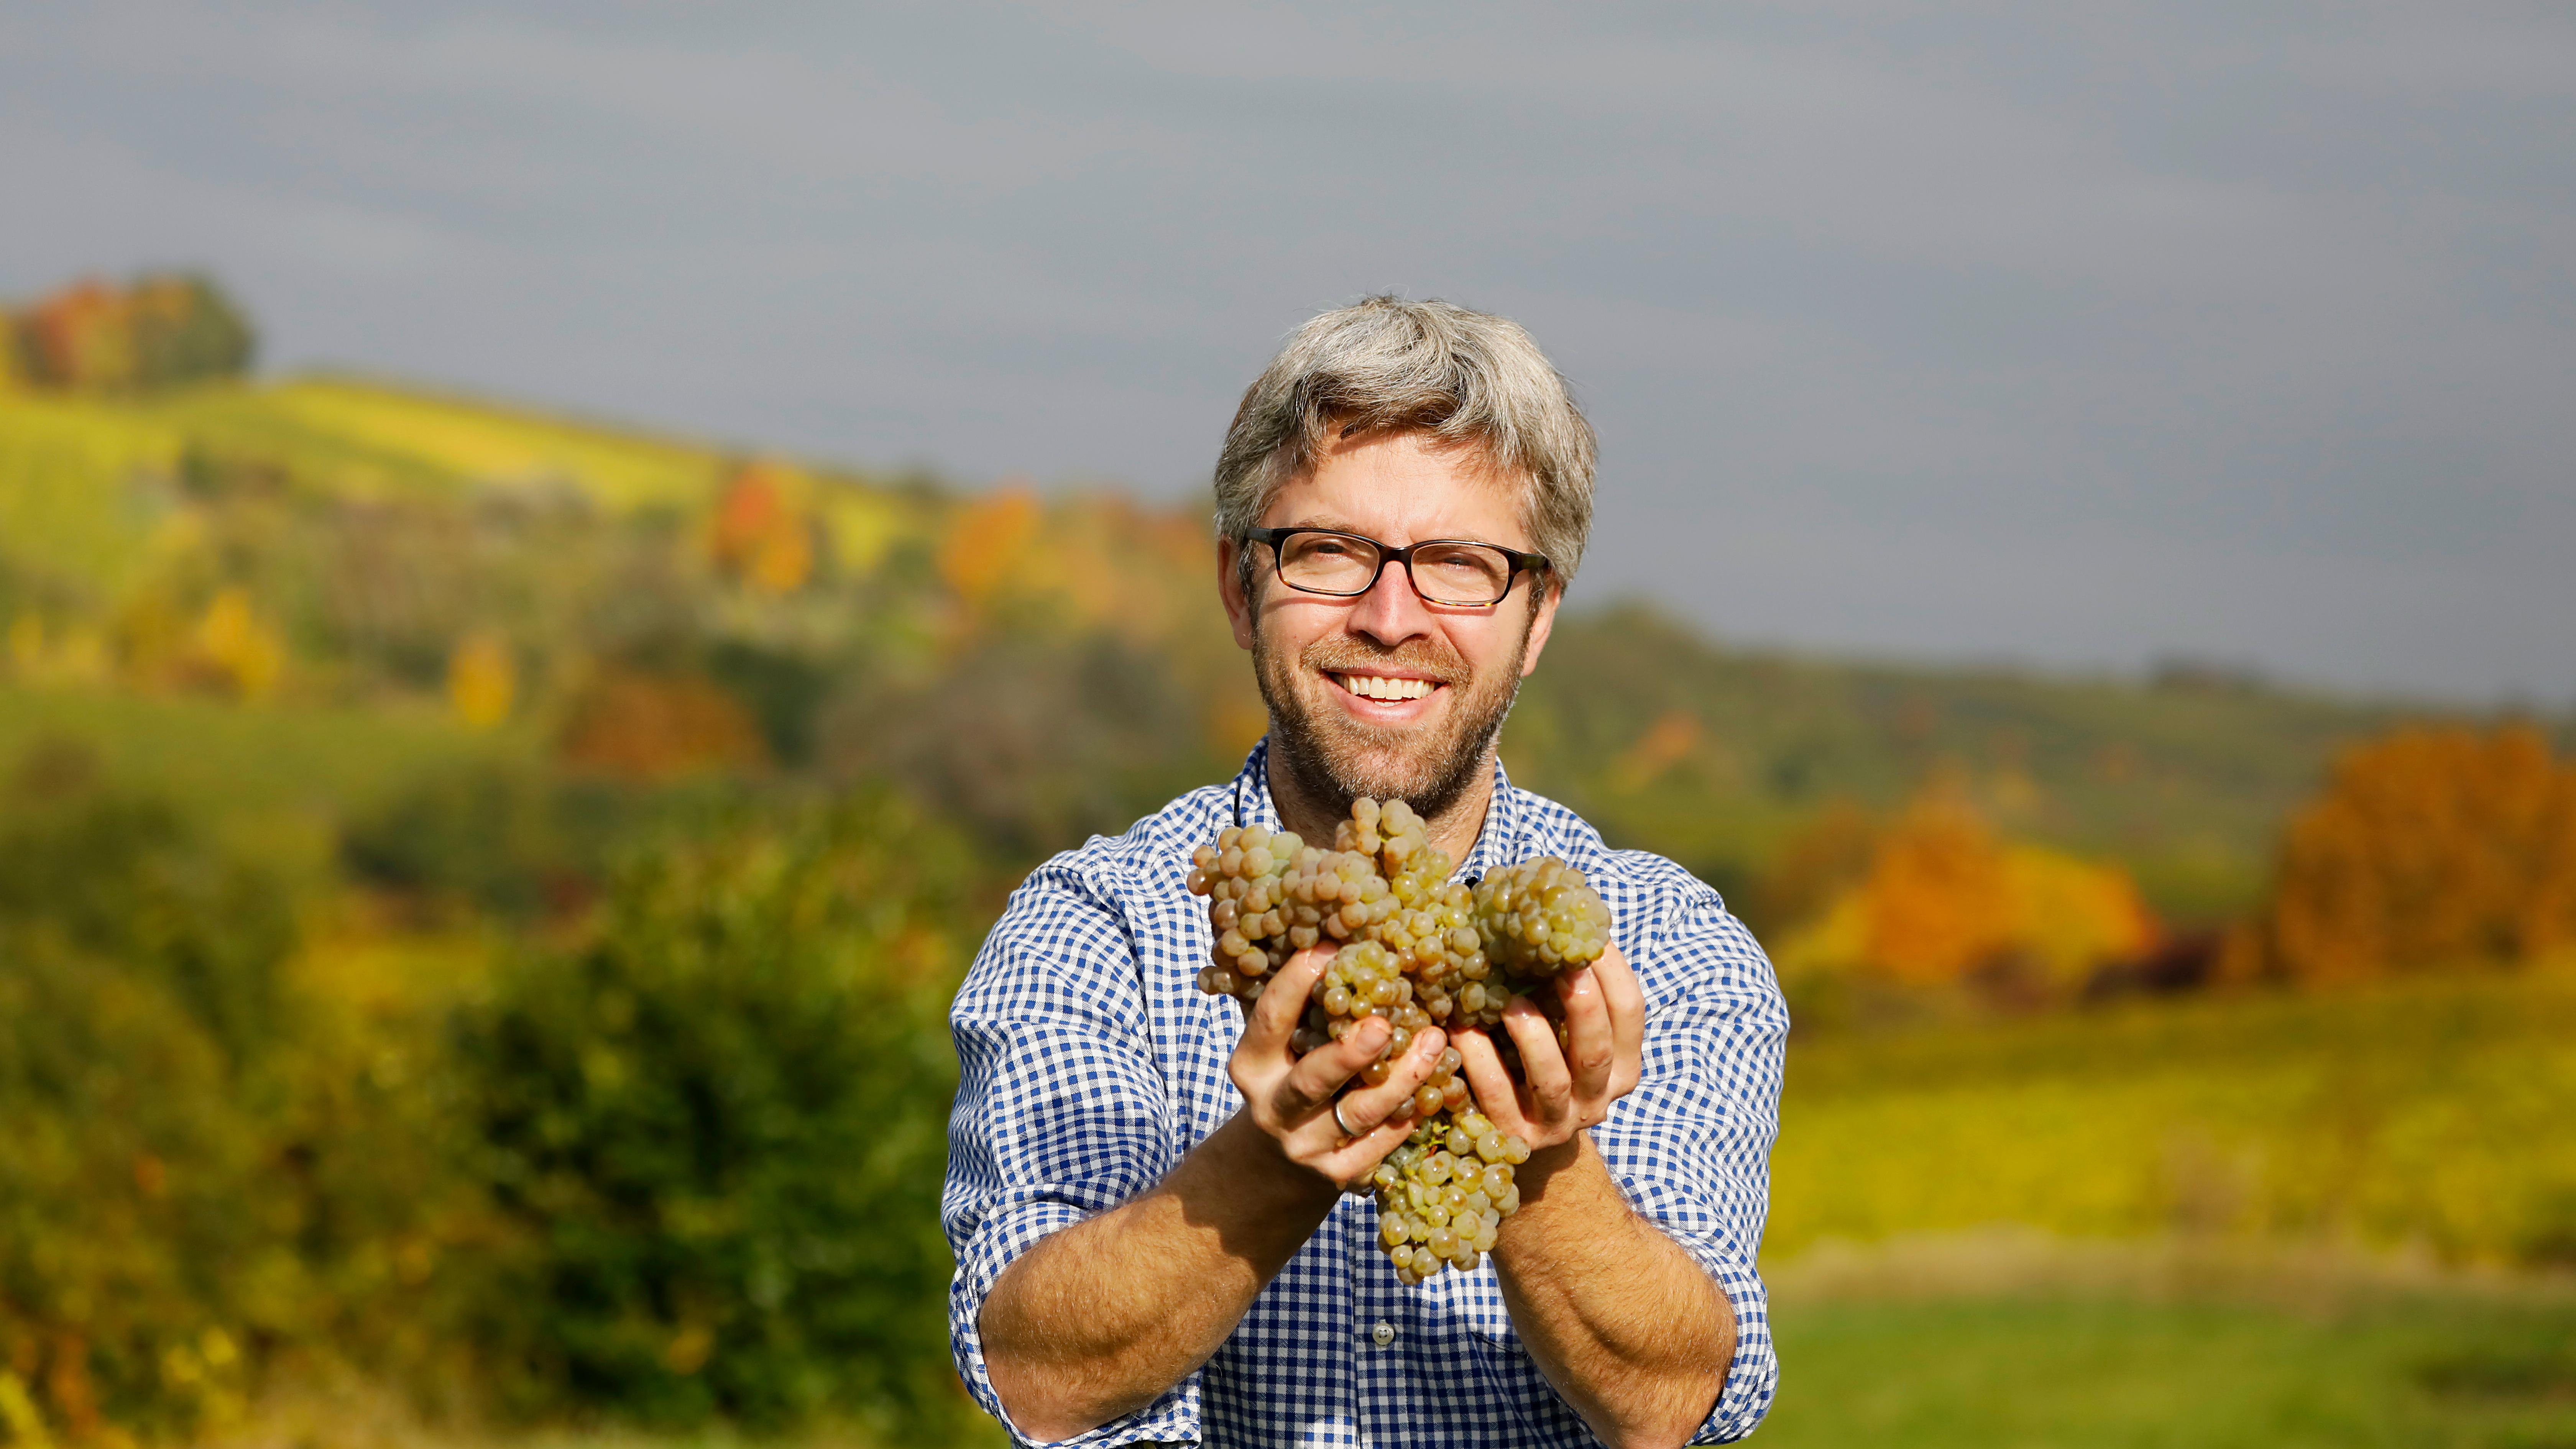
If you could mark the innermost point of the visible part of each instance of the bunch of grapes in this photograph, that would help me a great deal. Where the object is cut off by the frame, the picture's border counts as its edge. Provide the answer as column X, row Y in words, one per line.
column 1418, row 951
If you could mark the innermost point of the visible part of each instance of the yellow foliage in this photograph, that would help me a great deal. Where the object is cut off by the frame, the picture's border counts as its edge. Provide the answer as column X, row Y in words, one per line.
column 988, row 543
column 1941, row 898
column 18, row 1412
column 482, row 680
column 2429, row 847
column 862, row 527
column 2070, row 916
column 239, row 647
column 26, row 644
column 485, row 440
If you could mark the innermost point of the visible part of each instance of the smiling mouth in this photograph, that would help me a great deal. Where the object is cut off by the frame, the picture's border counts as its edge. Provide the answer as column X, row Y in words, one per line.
column 1385, row 687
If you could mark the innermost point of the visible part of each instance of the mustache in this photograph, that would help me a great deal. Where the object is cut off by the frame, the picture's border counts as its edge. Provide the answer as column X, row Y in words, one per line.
column 1341, row 654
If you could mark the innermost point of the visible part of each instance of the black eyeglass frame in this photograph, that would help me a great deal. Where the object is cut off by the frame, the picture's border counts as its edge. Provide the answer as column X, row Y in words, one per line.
column 1519, row 562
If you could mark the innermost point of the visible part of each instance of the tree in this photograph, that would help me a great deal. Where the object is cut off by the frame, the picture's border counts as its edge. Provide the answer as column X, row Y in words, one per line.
column 1934, row 898
column 163, row 330
column 2430, row 848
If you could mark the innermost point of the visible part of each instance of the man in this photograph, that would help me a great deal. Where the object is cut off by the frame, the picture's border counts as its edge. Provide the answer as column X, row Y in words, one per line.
column 1145, row 1189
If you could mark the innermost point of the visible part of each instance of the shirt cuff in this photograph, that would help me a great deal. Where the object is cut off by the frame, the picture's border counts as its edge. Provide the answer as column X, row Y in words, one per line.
column 1753, row 1378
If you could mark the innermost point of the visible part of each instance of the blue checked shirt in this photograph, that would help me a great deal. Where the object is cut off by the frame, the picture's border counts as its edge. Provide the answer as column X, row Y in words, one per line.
column 1089, row 1062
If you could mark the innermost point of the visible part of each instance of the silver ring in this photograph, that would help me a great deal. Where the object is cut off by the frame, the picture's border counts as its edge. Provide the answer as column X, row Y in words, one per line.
column 1347, row 1129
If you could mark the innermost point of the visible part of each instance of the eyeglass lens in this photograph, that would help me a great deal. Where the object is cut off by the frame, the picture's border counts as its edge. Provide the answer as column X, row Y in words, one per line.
column 1445, row 573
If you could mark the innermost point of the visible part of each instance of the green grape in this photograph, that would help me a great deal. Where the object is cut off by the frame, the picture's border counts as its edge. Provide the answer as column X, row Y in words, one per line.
column 1418, row 950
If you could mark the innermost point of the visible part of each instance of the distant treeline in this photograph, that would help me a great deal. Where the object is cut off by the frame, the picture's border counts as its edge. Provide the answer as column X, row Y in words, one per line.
column 160, row 330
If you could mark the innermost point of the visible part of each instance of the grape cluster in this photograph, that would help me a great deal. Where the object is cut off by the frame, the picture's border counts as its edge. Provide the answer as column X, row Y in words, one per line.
column 1418, row 950
column 1443, row 1195
column 1539, row 918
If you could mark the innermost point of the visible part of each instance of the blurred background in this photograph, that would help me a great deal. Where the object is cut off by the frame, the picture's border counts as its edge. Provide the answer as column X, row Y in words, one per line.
column 557, row 562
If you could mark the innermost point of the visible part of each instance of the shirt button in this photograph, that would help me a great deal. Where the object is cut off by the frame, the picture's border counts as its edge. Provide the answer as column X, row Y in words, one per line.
column 1383, row 1334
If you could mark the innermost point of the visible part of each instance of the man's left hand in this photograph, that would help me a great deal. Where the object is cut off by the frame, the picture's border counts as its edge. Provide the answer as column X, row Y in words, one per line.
column 1563, row 1090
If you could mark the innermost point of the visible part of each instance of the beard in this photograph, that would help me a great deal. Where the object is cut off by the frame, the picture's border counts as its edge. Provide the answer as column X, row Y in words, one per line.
column 1336, row 759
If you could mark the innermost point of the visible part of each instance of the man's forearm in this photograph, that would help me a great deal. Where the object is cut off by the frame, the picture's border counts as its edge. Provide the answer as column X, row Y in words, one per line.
column 1623, row 1322
column 1100, row 1319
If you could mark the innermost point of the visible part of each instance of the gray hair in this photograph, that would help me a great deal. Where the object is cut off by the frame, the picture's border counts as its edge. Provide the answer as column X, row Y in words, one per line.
column 1385, row 364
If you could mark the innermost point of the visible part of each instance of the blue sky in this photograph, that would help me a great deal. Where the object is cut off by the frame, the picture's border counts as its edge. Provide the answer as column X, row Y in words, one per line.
column 2074, row 336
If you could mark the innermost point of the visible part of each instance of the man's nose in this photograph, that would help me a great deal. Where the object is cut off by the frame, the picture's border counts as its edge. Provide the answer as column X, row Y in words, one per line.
column 1391, row 612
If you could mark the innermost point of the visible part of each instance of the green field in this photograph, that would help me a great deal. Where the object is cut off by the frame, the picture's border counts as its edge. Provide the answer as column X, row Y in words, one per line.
column 2412, row 1367
column 275, row 782
column 2437, row 1113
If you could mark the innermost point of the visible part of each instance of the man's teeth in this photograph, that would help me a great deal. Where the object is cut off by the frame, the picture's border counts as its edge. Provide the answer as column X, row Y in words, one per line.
column 1370, row 686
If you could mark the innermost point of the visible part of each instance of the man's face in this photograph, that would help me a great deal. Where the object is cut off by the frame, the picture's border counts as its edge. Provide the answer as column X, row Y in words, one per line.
column 1385, row 694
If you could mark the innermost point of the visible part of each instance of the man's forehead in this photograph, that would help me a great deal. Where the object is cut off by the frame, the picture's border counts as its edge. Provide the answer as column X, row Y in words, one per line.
column 1403, row 486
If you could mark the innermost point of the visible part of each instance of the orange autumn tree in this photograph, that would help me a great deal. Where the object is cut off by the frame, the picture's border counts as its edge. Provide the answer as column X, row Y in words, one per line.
column 2431, row 847
column 1934, row 898
column 643, row 725
column 989, row 543
column 762, row 530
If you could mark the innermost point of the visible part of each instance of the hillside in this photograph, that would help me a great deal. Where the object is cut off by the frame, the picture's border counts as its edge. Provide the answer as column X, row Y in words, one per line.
column 644, row 607
column 1717, row 754
column 423, row 816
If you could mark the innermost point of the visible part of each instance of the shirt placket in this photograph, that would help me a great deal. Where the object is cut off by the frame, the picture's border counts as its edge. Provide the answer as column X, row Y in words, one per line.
column 1382, row 1340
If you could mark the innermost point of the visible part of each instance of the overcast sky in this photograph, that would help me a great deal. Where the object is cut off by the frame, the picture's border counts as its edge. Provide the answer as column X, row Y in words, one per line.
column 2067, row 335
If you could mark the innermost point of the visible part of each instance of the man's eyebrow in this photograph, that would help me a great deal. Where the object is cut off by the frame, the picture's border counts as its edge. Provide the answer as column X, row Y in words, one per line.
column 1317, row 520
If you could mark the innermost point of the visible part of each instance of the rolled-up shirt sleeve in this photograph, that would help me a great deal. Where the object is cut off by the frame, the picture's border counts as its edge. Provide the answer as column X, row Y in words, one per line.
column 1061, row 1112
column 1691, row 1145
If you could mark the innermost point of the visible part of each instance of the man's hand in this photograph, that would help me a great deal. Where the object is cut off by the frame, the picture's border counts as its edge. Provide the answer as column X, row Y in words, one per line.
column 1099, row 1319
column 1291, row 1098
column 1619, row 1318
column 1568, row 1089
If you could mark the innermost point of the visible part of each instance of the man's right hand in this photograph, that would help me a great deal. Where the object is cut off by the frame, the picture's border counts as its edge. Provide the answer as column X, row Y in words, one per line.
column 1097, row 1320
column 1290, row 1098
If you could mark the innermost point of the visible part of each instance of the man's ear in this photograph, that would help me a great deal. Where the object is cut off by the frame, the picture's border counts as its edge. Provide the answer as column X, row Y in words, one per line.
column 1230, row 589
column 1549, row 598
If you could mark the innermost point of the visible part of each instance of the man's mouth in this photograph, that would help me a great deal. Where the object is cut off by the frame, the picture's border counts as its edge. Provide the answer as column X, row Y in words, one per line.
column 1384, row 686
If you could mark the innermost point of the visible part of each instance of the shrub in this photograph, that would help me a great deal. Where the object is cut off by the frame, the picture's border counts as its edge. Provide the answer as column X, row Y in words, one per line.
column 139, row 988
column 720, row 1126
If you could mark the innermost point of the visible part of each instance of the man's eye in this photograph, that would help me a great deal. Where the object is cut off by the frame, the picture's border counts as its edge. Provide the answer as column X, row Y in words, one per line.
column 1464, row 566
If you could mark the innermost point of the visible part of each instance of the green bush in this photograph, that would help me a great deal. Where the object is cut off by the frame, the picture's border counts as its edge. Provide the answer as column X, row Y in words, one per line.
column 720, row 1126
column 141, row 1249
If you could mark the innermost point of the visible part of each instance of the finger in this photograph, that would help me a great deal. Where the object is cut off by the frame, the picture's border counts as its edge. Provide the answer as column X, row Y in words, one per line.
column 1274, row 1014
column 1591, row 1053
column 1320, row 1073
column 1551, row 1088
column 1497, row 1095
column 1357, row 1158
column 1367, row 1107
column 1626, row 999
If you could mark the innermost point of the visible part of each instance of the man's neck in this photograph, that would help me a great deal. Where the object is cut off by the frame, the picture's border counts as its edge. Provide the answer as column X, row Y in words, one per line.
column 1453, row 830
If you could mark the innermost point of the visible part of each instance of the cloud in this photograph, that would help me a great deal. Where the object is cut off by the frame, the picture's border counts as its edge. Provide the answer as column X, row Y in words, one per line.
column 1934, row 313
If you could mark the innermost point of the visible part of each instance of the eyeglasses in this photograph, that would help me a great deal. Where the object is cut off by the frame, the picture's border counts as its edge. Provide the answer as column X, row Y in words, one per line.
column 1452, row 571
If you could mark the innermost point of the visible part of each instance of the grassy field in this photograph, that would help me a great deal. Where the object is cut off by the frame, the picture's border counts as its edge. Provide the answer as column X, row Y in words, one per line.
column 2008, row 1337
column 2433, row 1113
column 2073, row 1370
column 275, row 781
column 2006, row 1341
